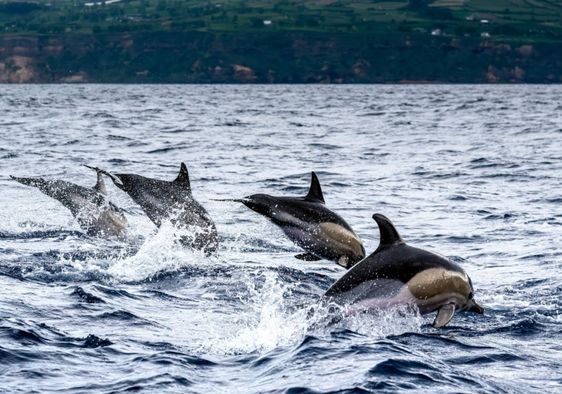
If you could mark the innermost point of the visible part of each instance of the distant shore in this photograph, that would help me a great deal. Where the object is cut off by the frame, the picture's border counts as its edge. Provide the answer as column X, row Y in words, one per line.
column 281, row 41
column 204, row 57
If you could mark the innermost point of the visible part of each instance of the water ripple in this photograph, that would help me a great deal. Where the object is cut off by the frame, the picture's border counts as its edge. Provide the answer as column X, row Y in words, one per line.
column 472, row 172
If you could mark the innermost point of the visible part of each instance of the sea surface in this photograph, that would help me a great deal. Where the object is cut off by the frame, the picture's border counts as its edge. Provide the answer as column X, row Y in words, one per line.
column 471, row 172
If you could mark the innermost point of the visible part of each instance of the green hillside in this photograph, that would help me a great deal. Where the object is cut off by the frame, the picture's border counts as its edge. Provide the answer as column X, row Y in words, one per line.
column 455, row 33
column 539, row 19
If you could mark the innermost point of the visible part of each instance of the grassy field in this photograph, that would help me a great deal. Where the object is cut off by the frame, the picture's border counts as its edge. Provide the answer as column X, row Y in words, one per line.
column 538, row 20
column 281, row 41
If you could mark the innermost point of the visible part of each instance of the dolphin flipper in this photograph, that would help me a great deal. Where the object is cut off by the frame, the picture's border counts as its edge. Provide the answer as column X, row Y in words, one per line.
column 307, row 257
column 444, row 315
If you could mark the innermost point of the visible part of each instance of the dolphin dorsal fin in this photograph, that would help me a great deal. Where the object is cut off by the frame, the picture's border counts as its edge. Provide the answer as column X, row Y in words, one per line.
column 183, row 177
column 315, row 191
column 100, row 184
column 388, row 233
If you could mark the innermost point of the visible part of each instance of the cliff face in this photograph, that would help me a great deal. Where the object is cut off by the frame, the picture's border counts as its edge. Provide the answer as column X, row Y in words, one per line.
column 17, row 56
column 195, row 57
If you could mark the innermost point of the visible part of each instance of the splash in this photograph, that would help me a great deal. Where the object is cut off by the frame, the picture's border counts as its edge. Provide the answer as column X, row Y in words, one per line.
column 381, row 323
column 160, row 252
column 269, row 320
column 265, row 322
column 76, row 256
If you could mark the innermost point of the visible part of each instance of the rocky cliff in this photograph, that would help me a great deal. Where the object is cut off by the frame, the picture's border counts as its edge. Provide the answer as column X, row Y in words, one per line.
column 275, row 57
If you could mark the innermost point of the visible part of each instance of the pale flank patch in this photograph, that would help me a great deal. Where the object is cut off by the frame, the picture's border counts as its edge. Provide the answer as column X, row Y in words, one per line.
column 342, row 238
column 435, row 286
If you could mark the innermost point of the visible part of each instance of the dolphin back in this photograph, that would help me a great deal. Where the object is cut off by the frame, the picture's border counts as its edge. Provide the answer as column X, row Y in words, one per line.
column 392, row 260
column 398, row 263
column 172, row 201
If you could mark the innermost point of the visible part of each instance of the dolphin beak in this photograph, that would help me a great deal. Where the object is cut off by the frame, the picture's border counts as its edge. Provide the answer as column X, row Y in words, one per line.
column 246, row 200
column 250, row 202
column 115, row 178
column 118, row 182
column 259, row 203
column 25, row 181
column 254, row 204
column 475, row 308
column 242, row 200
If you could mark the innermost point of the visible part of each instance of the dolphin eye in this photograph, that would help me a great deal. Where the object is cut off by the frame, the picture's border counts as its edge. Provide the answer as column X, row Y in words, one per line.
column 470, row 295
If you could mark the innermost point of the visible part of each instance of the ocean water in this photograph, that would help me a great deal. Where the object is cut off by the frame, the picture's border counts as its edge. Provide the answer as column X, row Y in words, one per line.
column 471, row 172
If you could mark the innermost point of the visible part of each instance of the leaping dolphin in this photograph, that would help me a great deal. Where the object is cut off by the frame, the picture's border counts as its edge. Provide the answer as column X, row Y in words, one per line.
column 307, row 222
column 91, row 208
column 397, row 273
column 171, row 200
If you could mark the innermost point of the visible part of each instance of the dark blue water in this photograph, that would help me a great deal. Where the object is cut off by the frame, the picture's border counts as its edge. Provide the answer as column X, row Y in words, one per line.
column 471, row 172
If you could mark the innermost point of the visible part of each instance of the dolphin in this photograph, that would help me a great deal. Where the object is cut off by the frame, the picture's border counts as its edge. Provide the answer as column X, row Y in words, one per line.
column 396, row 273
column 307, row 222
column 94, row 212
column 171, row 200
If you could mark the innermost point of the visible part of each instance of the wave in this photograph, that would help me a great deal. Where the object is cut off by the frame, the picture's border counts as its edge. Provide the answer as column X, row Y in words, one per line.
column 81, row 314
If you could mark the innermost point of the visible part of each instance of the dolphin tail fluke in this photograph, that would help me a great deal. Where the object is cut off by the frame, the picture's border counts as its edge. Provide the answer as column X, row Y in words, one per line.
column 100, row 172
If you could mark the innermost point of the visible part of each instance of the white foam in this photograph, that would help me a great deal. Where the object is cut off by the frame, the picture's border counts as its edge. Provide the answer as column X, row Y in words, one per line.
column 160, row 252
column 265, row 323
column 269, row 320
column 395, row 320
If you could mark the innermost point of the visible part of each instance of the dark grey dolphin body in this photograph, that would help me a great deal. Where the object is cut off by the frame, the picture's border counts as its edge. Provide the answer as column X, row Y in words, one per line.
column 311, row 225
column 171, row 200
column 397, row 273
column 91, row 208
